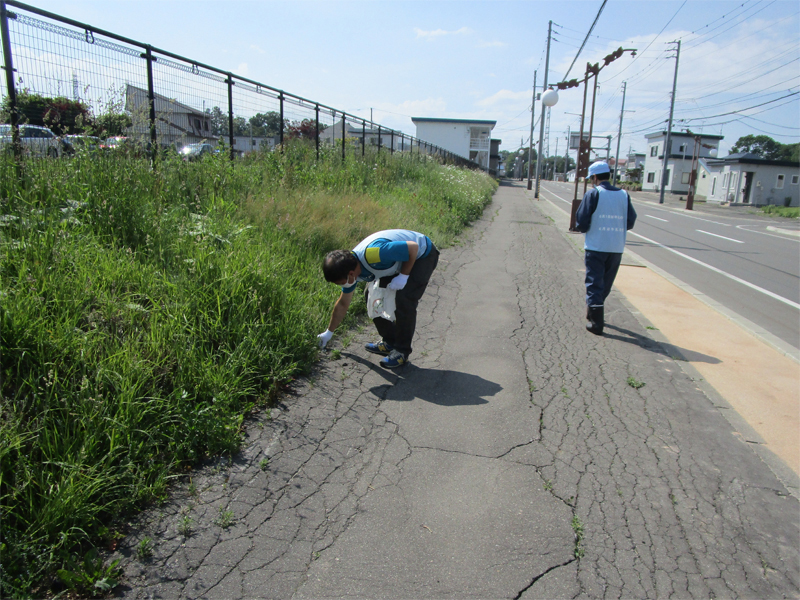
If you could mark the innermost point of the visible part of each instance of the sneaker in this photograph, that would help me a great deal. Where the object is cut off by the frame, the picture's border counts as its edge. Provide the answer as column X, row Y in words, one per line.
column 381, row 348
column 394, row 360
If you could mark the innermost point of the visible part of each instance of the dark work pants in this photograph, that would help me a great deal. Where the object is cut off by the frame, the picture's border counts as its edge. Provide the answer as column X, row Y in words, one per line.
column 399, row 334
column 601, row 270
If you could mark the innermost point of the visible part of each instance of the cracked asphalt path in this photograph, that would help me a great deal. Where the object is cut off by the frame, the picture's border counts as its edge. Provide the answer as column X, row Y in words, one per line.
column 510, row 459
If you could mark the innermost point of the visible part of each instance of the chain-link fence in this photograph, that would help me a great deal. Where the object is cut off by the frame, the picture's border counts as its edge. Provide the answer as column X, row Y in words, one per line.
column 68, row 84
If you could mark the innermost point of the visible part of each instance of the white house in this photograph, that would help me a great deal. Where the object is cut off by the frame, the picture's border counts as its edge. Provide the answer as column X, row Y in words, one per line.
column 679, row 159
column 749, row 179
column 370, row 135
column 465, row 137
column 633, row 165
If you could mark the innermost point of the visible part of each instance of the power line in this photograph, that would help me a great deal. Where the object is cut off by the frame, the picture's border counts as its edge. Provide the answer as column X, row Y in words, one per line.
column 586, row 38
column 648, row 45
column 736, row 112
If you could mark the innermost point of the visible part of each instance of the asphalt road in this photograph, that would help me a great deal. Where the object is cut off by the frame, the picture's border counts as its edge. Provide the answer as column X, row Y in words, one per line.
column 747, row 262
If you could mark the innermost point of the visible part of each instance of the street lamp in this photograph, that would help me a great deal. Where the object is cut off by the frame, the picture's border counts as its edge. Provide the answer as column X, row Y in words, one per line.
column 549, row 99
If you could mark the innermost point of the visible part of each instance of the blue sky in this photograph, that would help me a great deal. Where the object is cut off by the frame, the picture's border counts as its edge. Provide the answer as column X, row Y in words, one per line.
column 476, row 60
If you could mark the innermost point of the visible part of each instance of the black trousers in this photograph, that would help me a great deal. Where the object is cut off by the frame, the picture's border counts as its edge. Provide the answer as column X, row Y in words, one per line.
column 601, row 270
column 399, row 334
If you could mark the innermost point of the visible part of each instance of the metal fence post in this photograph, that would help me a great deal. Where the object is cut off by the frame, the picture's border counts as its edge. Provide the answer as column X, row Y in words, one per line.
column 317, row 113
column 151, row 100
column 379, row 139
column 343, row 130
column 363, row 138
column 230, row 112
column 280, row 97
column 391, row 150
column 9, row 68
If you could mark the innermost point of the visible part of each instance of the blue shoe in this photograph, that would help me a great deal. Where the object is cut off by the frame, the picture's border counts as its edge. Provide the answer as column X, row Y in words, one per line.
column 394, row 360
column 381, row 348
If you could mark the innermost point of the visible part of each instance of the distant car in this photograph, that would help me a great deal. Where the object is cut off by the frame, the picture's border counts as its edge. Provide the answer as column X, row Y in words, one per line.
column 196, row 151
column 35, row 140
column 81, row 143
column 117, row 142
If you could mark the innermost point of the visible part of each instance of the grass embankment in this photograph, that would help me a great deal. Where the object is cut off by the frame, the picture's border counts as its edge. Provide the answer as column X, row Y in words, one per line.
column 144, row 314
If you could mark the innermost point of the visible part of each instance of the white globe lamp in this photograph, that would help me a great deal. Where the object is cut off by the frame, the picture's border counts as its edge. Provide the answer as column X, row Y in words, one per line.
column 550, row 98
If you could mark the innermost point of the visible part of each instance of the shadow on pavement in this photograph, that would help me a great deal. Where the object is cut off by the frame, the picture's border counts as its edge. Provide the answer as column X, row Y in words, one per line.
column 437, row 386
column 649, row 344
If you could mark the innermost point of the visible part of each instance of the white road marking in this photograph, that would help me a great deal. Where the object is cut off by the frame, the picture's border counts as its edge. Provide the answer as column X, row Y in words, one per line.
column 721, row 272
column 657, row 218
column 719, row 236
column 780, row 237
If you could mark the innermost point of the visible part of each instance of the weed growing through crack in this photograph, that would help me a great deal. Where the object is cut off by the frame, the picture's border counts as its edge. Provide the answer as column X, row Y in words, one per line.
column 577, row 527
column 225, row 518
column 192, row 489
column 548, row 485
column 185, row 526
column 336, row 354
column 144, row 549
column 635, row 383
column 264, row 464
column 651, row 327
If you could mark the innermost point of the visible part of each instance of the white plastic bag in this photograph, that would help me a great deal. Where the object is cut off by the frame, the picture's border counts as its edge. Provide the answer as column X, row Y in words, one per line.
column 380, row 302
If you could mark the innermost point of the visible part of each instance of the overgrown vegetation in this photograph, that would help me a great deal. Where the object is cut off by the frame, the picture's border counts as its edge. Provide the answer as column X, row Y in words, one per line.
column 144, row 313
column 788, row 212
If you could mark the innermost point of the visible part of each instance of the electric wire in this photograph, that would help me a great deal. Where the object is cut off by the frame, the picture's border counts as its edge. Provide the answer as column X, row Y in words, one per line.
column 586, row 38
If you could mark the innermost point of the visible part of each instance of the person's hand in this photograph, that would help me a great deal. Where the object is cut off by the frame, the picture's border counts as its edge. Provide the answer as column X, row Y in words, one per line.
column 324, row 338
column 398, row 283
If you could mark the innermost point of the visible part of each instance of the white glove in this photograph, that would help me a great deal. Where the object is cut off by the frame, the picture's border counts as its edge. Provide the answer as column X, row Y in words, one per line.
column 398, row 283
column 324, row 338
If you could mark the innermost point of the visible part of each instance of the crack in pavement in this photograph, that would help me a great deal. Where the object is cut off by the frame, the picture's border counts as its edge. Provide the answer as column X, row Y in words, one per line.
column 511, row 441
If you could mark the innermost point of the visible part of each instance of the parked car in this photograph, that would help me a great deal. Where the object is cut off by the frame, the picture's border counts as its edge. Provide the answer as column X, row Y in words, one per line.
column 197, row 151
column 81, row 143
column 117, row 142
column 35, row 140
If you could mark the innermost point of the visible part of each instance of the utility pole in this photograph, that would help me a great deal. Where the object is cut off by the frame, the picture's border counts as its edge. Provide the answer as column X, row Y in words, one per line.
column 541, row 124
column 530, row 146
column 566, row 157
column 667, row 148
column 619, row 135
column 555, row 156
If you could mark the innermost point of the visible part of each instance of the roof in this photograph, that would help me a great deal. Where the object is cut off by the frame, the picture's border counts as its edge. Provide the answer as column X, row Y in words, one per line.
column 470, row 121
column 706, row 136
column 750, row 158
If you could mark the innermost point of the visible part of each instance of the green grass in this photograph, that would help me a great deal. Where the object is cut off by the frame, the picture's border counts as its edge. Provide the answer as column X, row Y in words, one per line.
column 144, row 313
column 789, row 212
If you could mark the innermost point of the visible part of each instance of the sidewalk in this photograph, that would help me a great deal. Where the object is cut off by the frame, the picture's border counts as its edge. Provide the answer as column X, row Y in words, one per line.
column 517, row 456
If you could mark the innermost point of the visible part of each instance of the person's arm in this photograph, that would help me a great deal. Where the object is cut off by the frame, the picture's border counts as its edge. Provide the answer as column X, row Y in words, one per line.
column 631, row 213
column 583, row 218
column 337, row 316
column 406, row 266
column 340, row 310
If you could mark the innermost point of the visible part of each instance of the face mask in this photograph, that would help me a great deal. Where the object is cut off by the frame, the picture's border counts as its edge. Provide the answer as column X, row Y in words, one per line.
column 348, row 284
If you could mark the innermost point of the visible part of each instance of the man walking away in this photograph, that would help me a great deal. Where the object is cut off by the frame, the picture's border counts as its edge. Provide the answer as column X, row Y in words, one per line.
column 404, row 261
column 605, row 215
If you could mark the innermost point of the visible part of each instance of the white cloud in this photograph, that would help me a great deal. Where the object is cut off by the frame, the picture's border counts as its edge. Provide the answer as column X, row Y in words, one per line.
column 436, row 33
column 243, row 70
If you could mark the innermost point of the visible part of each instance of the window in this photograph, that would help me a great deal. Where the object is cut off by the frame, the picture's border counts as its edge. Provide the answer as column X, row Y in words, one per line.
column 651, row 177
column 685, row 177
column 713, row 185
column 779, row 185
column 724, row 179
column 653, row 150
column 794, row 179
column 682, row 148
